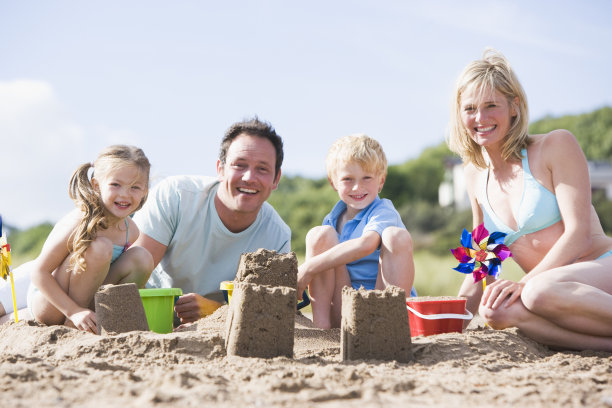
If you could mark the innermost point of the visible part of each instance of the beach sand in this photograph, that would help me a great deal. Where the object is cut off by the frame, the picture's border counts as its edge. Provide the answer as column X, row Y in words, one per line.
column 57, row 366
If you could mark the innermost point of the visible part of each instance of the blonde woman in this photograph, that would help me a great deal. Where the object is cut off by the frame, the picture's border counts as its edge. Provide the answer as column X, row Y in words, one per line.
column 536, row 189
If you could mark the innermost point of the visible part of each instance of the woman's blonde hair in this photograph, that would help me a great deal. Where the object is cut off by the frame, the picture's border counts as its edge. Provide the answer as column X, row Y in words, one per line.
column 84, row 195
column 492, row 72
column 357, row 148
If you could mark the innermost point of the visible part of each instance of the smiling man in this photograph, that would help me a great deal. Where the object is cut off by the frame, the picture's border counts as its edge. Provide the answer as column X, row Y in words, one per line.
column 197, row 227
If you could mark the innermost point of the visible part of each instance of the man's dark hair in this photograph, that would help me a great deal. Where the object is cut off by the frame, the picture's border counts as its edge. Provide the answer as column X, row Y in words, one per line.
column 253, row 127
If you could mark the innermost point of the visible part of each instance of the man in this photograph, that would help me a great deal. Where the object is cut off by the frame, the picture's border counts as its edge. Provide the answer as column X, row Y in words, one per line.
column 197, row 227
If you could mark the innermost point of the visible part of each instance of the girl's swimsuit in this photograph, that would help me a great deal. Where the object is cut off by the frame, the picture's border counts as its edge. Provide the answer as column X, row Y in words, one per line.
column 538, row 208
column 119, row 249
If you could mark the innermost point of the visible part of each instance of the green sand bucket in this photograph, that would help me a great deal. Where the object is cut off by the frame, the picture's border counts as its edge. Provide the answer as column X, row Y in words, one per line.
column 159, row 307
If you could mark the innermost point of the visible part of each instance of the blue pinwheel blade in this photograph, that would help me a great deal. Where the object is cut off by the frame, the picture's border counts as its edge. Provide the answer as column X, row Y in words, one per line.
column 465, row 268
column 466, row 238
column 494, row 267
column 497, row 237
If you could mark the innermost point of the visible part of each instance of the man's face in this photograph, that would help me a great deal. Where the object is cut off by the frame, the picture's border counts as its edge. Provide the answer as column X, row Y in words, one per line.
column 247, row 177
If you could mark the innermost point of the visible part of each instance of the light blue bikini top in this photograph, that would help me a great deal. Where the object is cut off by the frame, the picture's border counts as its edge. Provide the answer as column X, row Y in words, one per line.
column 119, row 249
column 538, row 208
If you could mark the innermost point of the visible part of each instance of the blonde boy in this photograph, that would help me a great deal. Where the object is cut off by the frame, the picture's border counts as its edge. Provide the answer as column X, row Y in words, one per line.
column 362, row 241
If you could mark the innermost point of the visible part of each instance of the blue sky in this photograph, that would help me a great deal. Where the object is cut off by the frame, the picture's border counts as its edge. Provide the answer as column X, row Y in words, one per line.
column 170, row 77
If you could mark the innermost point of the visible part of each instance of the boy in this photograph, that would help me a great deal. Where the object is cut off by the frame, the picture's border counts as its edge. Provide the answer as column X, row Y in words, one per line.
column 362, row 241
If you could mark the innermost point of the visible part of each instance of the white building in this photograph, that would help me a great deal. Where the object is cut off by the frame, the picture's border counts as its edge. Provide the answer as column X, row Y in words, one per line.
column 453, row 191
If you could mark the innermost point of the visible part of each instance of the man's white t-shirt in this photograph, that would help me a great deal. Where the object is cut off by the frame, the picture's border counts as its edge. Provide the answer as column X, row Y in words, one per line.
column 201, row 252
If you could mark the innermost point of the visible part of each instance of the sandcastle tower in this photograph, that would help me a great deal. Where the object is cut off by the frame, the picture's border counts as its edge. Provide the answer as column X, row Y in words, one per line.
column 375, row 325
column 261, row 321
column 265, row 267
column 261, row 314
column 119, row 309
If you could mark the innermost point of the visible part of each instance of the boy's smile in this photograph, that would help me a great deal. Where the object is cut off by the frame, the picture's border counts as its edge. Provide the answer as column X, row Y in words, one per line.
column 356, row 187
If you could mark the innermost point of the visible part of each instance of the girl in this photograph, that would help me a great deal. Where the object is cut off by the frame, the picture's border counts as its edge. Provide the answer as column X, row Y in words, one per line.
column 536, row 189
column 89, row 246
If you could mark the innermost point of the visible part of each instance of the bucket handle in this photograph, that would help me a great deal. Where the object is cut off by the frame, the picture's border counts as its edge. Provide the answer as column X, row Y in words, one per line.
column 466, row 316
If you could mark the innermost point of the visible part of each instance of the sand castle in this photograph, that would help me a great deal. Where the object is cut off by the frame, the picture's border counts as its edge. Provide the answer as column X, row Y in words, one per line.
column 375, row 325
column 261, row 321
column 119, row 309
column 265, row 267
column 261, row 316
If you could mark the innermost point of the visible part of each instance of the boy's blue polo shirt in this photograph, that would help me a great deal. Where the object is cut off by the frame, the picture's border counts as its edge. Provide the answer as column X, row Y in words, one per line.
column 377, row 216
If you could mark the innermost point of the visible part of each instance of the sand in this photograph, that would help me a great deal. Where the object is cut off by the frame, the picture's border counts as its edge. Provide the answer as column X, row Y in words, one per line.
column 61, row 367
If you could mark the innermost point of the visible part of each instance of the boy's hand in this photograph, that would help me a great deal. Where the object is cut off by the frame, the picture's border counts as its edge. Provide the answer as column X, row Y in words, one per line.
column 302, row 281
column 192, row 307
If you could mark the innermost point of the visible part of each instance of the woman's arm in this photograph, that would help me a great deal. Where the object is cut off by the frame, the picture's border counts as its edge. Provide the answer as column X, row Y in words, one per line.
column 469, row 290
column 572, row 187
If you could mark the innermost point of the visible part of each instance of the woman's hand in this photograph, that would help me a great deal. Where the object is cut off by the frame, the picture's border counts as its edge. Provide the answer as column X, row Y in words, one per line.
column 502, row 292
column 85, row 320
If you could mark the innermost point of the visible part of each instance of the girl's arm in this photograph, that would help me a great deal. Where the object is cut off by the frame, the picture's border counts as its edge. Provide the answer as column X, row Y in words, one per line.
column 54, row 255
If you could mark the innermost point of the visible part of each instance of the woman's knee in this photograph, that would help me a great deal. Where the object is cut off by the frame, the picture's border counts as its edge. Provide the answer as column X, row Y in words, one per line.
column 539, row 296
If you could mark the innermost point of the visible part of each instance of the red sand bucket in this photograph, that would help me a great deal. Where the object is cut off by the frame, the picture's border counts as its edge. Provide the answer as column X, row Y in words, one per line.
column 436, row 316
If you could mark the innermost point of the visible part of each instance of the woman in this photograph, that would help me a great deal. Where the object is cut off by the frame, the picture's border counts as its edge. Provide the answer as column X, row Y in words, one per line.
column 536, row 189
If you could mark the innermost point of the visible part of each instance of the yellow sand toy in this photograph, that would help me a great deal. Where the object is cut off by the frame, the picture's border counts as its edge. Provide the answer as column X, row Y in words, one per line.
column 5, row 266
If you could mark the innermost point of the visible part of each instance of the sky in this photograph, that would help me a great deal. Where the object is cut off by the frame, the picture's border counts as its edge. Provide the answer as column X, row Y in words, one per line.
column 171, row 77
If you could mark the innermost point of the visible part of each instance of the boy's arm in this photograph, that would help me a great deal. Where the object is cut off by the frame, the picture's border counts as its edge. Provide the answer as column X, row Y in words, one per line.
column 341, row 254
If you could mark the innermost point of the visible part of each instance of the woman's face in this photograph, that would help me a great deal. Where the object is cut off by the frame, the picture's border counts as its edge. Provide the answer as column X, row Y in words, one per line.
column 487, row 116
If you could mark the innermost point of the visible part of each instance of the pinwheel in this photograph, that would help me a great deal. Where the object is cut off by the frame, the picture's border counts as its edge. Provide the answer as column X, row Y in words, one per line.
column 481, row 254
column 5, row 266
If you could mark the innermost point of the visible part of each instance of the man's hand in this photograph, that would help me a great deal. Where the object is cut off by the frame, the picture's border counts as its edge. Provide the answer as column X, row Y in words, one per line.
column 191, row 307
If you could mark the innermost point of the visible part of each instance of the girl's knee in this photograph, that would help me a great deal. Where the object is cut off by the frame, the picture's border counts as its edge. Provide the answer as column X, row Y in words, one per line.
column 142, row 259
column 100, row 252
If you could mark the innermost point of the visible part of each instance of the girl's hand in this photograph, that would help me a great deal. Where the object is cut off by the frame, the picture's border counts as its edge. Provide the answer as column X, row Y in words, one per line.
column 502, row 290
column 85, row 320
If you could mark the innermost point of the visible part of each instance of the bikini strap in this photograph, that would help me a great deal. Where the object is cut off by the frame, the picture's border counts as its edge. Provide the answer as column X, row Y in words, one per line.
column 127, row 235
column 526, row 168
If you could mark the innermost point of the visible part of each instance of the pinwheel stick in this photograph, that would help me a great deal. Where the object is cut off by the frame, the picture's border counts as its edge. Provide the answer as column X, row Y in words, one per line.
column 14, row 298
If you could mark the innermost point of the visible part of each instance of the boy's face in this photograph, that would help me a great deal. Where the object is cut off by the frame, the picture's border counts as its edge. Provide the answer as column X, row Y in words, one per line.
column 356, row 186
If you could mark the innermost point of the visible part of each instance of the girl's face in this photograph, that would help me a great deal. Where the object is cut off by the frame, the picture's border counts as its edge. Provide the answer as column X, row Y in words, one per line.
column 487, row 116
column 356, row 186
column 122, row 190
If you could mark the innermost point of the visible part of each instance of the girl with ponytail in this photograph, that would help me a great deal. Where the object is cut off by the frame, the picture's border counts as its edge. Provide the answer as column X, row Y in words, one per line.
column 89, row 246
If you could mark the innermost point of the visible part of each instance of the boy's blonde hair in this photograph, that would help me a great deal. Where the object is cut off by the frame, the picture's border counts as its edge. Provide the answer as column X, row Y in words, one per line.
column 89, row 201
column 357, row 148
column 491, row 73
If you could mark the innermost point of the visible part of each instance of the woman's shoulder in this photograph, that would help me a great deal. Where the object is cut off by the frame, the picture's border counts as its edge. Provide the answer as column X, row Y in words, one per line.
column 470, row 170
column 554, row 138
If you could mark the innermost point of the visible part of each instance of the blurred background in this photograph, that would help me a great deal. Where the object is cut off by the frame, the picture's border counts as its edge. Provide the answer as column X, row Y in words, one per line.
column 171, row 77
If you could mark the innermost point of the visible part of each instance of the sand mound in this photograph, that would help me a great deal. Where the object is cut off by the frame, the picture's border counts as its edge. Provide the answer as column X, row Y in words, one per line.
column 56, row 366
